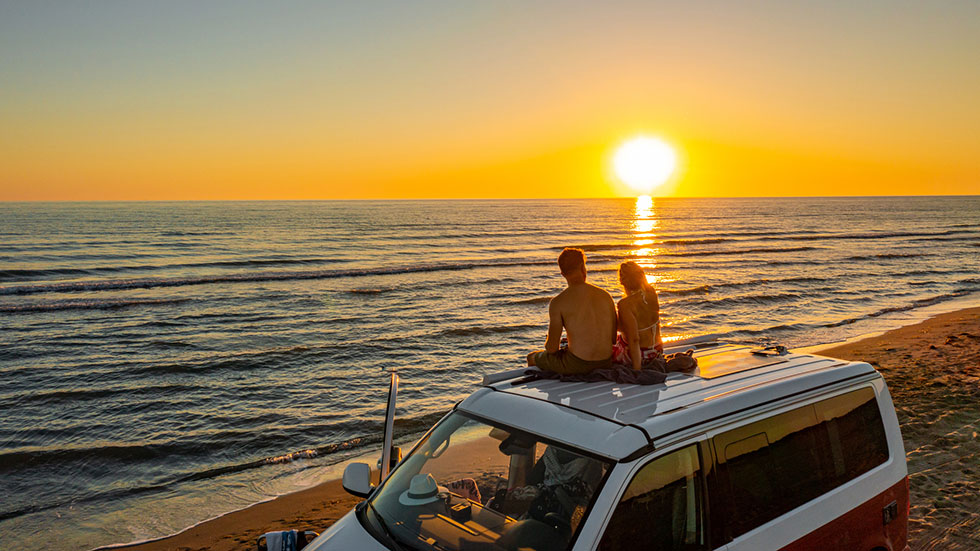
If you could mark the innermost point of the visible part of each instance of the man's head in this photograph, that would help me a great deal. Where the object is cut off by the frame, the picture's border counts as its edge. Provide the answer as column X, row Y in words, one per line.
column 572, row 264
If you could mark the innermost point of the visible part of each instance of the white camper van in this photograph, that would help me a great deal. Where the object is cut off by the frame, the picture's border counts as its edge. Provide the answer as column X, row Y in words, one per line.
column 755, row 449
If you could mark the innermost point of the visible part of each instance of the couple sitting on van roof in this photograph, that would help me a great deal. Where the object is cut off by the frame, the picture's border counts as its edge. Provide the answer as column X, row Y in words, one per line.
column 589, row 318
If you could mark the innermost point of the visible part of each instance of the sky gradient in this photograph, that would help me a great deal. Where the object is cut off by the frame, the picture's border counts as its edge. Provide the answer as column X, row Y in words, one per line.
column 126, row 100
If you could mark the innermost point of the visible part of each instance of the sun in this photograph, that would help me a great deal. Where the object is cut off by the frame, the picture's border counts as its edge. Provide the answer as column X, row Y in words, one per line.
column 644, row 163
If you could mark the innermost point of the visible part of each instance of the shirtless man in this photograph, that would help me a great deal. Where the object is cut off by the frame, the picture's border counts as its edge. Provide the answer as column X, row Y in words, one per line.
column 588, row 316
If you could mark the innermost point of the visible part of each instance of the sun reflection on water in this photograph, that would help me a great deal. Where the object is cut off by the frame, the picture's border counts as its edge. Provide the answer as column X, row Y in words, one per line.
column 644, row 227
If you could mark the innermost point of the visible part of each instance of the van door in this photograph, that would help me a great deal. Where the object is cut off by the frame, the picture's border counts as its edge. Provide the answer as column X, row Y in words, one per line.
column 810, row 473
column 663, row 505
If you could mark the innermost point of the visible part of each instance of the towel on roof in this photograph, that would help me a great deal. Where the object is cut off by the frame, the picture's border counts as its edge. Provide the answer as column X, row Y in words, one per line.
column 616, row 374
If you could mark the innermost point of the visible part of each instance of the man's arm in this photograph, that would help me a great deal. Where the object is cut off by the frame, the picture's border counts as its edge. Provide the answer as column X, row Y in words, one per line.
column 554, row 328
column 616, row 326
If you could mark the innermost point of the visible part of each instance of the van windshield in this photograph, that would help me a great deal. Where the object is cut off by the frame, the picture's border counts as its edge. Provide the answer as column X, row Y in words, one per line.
column 471, row 485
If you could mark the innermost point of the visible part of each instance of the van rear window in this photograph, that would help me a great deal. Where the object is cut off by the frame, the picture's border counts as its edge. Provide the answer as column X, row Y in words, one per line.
column 777, row 464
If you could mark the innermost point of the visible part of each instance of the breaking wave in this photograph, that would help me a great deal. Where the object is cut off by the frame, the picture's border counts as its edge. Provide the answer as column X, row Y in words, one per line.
column 87, row 304
column 150, row 283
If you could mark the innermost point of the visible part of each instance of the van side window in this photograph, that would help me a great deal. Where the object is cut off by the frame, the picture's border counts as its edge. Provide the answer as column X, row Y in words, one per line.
column 661, row 507
column 775, row 465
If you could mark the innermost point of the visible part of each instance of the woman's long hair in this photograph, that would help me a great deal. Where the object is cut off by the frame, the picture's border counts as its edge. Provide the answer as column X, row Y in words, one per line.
column 632, row 277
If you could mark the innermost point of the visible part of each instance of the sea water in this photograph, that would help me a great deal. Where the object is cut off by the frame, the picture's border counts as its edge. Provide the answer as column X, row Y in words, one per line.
column 163, row 363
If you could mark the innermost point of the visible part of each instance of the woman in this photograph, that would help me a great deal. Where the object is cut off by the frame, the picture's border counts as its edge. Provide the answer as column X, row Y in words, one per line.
column 638, row 342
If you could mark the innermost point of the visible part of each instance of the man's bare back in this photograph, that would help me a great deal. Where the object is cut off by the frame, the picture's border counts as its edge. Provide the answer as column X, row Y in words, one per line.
column 587, row 315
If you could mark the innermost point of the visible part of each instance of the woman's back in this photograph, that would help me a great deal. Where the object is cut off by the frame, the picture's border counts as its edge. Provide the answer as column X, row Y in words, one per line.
column 645, row 309
column 639, row 341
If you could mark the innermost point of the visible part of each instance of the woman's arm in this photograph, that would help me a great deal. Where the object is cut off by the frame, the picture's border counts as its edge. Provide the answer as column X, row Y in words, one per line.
column 627, row 322
column 657, row 339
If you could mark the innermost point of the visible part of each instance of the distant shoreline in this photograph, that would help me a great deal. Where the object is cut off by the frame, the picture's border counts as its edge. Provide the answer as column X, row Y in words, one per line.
column 903, row 355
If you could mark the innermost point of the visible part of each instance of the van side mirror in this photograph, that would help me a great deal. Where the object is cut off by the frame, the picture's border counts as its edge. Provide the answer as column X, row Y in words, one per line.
column 357, row 479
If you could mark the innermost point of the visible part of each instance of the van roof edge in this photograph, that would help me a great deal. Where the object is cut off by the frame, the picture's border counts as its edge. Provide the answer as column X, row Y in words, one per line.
column 500, row 376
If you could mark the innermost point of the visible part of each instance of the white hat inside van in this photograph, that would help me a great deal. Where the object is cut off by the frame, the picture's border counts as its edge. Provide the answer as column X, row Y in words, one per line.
column 421, row 490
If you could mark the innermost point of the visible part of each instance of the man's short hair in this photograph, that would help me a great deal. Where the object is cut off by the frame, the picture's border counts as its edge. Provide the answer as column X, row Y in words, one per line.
column 570, row 260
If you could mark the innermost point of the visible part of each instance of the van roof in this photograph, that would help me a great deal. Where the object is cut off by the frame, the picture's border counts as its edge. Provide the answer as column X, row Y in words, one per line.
column 615, row 420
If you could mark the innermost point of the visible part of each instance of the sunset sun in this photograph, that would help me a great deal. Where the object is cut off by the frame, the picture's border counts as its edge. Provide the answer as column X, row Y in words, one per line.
column 643, row 163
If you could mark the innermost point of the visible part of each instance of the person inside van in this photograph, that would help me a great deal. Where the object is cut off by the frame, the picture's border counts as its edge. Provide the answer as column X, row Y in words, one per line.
column 638, row 342
column 588, row 316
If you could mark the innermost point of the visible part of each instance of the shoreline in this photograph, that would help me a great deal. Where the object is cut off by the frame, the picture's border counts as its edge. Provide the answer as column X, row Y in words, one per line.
column 907, row 358
column 313, row 508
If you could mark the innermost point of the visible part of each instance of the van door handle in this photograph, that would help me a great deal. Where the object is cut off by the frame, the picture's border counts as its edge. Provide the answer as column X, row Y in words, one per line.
column 889, row 513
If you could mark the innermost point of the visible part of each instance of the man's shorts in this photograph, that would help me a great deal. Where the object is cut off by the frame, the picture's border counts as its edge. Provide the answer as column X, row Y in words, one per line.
column 566, row 363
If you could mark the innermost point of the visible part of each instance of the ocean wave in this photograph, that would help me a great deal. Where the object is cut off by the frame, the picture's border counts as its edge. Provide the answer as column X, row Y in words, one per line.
column 175, row 233
column 707, row 241
column 535, row 300
column 962, row 238
column 782, row 328
column 14, row 461
column 19, row 274
column 349, row 444
column 82, row 394
column 935, row 272
column 747, row 283
column 788, row 262
column 150, row 283
column 902, row 308
column 735, row 235
column 890, row 256
column 761, row 298
column 467, row 282
column 602, row 247
column 87, row 304
column 867, row 235
column 802, row 235
column 763, row 281
column 145, row 246
column 12, row 274
column 762, row 250
column 487, row 330
column 34, row 458
column 699, row 290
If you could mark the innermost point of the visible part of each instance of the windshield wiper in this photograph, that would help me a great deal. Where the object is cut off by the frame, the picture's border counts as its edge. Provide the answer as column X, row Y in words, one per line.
column 384, row 528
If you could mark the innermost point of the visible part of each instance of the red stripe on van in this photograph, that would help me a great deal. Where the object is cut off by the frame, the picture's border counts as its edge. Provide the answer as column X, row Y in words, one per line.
column 862, row 528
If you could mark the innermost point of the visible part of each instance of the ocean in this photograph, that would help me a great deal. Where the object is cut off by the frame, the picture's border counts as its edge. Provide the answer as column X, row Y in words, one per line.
column 163, row 363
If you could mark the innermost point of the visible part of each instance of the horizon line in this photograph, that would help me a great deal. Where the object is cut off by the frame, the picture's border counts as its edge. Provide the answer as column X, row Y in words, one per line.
column 322, row 200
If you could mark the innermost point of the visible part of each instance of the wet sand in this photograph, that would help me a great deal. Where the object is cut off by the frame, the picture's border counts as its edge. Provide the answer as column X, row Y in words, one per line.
column 311, row 509
column 933, row 372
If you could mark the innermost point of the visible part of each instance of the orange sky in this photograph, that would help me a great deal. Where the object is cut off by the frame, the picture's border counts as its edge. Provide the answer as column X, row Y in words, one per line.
column 389, row 100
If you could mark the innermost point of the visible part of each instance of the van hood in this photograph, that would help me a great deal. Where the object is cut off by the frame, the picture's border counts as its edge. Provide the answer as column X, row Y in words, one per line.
column 345, row 534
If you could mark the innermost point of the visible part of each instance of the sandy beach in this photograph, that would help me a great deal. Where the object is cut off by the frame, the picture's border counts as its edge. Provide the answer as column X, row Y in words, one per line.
column 933, row 372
